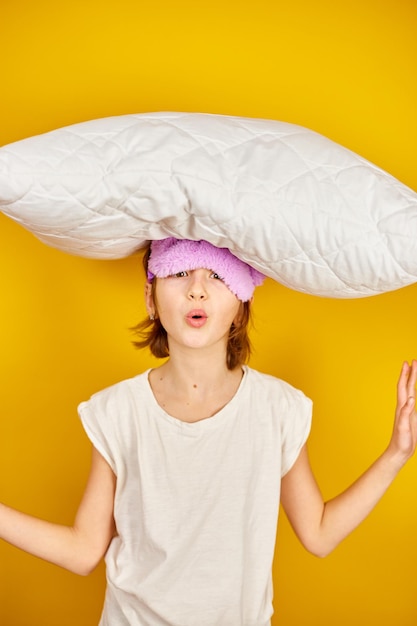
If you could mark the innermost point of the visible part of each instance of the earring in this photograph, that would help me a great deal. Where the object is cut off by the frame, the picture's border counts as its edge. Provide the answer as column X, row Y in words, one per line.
column 152, row 317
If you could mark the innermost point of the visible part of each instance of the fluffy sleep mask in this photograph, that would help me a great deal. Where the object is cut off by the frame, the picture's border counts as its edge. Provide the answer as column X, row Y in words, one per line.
column 170, row 256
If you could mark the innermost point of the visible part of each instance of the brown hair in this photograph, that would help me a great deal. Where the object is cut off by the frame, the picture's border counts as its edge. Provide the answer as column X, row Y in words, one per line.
column 152, row 334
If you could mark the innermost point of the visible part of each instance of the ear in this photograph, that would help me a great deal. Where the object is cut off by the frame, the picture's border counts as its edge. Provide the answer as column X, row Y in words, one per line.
column 149, row 299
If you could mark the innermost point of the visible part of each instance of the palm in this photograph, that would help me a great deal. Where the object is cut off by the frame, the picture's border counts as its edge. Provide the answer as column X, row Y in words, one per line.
column 404, row 438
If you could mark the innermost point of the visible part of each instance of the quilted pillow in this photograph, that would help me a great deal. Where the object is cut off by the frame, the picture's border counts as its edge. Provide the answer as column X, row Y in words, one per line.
column 295, row 205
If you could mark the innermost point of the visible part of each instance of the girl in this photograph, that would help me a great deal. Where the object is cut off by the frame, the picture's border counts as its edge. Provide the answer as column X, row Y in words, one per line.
column 191, row 459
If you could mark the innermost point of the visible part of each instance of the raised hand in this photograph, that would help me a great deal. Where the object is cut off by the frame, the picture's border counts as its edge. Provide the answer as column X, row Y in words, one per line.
column 404, row 437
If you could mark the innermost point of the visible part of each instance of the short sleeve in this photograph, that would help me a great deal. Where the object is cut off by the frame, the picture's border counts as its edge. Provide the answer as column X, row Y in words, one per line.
column 295, row 428
column 98, row 426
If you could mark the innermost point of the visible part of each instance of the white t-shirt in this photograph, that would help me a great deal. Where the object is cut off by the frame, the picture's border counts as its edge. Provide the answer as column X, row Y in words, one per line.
column 196, row 504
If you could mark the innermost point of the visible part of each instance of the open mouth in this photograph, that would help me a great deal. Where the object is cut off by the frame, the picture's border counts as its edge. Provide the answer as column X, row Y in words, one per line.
column 197, row 314
column 196, row 318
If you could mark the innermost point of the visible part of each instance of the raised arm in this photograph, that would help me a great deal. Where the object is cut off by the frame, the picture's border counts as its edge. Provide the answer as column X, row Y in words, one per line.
column 320, row 525
column 80, row 547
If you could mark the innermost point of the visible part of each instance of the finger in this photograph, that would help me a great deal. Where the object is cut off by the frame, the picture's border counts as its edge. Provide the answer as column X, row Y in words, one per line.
column 408, row 408
column 412, row 380
column 402, row 391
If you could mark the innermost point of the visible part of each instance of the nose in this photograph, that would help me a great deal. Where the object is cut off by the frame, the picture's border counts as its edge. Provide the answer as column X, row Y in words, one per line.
column 197, row 290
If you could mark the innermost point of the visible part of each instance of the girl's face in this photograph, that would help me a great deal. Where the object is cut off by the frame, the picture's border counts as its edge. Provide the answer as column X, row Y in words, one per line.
column 195, row 307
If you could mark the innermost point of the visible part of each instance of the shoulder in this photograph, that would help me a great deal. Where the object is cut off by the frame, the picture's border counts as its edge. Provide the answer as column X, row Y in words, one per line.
column 117, row 403
column 108, row 417
column 289, row 406
column 293, row 411
column 273, row 387
column 119, row 392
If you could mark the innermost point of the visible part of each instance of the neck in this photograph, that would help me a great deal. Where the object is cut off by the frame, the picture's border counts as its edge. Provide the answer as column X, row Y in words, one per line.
column 194, row 389
column 197, row 369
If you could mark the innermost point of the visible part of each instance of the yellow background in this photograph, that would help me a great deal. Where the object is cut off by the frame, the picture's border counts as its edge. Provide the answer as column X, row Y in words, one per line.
column 345, row 69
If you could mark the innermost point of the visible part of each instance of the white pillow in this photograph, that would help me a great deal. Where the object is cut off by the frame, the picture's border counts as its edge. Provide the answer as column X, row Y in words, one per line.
column 295, row 205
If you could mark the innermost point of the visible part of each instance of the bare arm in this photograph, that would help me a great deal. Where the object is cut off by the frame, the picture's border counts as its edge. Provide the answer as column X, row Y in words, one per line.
column 320, row 525
column 80, row 547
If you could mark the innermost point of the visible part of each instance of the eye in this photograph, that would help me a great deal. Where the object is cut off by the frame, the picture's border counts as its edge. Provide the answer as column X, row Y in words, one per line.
column 216, row 276
column 180, row 274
